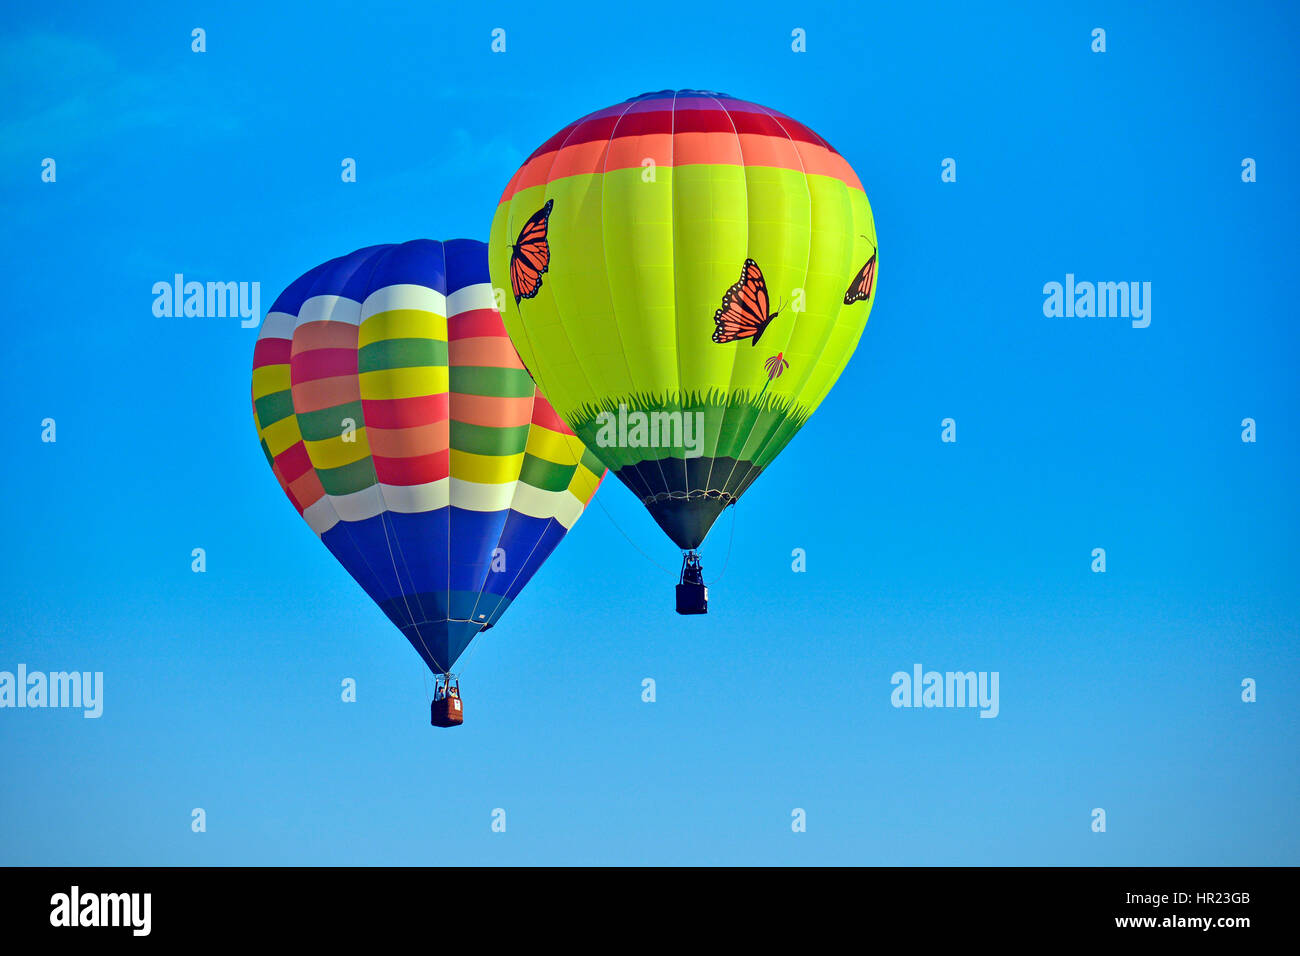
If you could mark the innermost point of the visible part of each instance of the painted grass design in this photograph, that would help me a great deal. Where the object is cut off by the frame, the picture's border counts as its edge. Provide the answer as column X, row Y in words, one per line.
column 753, row 426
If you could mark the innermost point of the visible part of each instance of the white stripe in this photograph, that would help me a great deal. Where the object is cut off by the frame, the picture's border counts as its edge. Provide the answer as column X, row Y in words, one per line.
column 412, row 499
column 473, row 496
column 390, row 297
column 329, row 308
column 359, row 505
column 321, row 515
column 278, row 325
column 415, row 499
column 471, row 297
column 536, row 503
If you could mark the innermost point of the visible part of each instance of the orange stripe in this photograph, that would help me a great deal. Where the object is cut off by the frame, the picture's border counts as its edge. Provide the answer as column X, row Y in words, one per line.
column 769, row 151
column 687, row 149
column 483, row 353
column 324, row 335
column 326, row 393
column 409, row 442
column 819, row 161
column 306, row 491
column 695, row 149
column 490, row 411
column 626, row 152
column 575, row 160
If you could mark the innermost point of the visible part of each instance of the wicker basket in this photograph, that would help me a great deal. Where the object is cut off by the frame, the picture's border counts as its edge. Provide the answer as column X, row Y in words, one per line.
column 447, row 712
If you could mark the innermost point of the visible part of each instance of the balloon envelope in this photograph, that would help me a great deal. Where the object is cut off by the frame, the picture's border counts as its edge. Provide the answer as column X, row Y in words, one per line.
column 398, row 419
column 645, row 304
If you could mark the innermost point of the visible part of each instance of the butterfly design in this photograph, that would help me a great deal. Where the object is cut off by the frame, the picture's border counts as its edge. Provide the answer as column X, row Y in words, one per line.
column 531, row 255
column 744, row 308
column 863, row 283
column 776, row 365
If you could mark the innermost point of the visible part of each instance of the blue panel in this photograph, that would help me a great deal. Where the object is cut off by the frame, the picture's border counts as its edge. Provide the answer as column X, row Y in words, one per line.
column 423, row 262
column 474, row 535
column 439, row 645
column 401, row 562
column 420, row 548
column 354, row 544
column 418, row 262
column 527, row 543
column 467, row 263
column 342, row 276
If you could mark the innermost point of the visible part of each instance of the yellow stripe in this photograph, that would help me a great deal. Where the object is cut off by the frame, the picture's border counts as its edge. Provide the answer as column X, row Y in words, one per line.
column 404, row 382
column 402, row 324
column 270, row 379
column 335, row 452
column 553, row 447
column 282, row 435
column 486, row 469
column 583, row 485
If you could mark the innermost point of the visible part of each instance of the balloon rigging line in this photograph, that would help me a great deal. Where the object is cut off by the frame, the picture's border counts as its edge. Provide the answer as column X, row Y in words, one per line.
column 619, row 529
column 397, row 575
column 730, row 540
column 474, row 642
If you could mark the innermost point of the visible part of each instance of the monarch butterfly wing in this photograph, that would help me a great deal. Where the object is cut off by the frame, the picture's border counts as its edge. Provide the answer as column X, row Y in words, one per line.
column 744, row 307
column 536, row 252
column 754, row 275
column 869, row 277
column 532, row 254
column 524, row 280
column 535, row 228
column 860, row 287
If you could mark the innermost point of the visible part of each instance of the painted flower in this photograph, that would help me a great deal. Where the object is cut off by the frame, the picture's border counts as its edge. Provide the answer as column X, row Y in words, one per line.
column 776, row 365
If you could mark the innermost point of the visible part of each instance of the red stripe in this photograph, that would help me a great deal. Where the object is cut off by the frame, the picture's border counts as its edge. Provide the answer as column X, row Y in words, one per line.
column 544, row 415
column 555, row 142
column 271, row 352
column 322, row 363
column 413, row 471
column 801, row 133
column 475, row 324
column 680, row 121
column 405, row 412
column 293, row 462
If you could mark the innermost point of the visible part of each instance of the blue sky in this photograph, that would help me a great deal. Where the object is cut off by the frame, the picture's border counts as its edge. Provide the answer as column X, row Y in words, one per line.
column 1118, row 690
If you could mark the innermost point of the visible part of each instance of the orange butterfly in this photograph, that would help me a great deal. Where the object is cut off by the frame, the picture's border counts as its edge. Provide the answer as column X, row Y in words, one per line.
column 861, row 286
column 744, row 308
column 530, row 256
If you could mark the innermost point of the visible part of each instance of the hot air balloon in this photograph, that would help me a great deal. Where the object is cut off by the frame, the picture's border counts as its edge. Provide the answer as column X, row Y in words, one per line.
column 398, row 419
column 689, row 274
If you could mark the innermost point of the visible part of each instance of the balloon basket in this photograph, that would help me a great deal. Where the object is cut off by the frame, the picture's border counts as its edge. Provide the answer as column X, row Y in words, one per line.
column 692, row 592
column 446, row 710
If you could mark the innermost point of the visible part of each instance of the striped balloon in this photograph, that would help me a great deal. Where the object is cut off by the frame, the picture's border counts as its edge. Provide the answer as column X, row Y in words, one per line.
column 400, row 422
column 673, row 218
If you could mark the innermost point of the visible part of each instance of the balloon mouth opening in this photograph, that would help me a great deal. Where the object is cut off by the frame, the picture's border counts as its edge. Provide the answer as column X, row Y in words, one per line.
column 687, row 521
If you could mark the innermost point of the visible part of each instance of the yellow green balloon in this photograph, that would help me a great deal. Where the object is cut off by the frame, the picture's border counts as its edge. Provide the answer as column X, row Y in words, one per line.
column 687, row 275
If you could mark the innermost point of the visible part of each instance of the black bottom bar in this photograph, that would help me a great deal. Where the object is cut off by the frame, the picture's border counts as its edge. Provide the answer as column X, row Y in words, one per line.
column 1175, row 905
